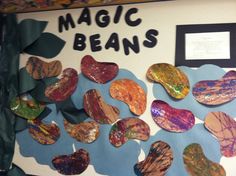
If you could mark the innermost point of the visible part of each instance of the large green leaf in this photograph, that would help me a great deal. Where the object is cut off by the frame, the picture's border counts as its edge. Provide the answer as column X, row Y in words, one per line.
column 45, row 113
column 29, row 31
column 20, row 124
column 70, row 112
column 27, row 83
column 47, row 45
column 15, row 171
column 38, row 91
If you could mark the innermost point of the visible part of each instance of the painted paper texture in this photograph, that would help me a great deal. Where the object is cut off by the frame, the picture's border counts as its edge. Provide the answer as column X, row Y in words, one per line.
column 216, row 92
column 223, row 127
column 98, row 109
column 171, row 119
column 128, row 128
column 198, row 164
column 99, row 72
column 157, row 162
column 131, row 93
column 174, row 81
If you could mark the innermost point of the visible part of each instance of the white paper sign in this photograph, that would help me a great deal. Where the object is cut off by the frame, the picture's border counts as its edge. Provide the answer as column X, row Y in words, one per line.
column 208, row 45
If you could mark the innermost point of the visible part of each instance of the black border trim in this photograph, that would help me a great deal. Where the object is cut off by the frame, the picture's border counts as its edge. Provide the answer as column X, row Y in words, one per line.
column 181, row 30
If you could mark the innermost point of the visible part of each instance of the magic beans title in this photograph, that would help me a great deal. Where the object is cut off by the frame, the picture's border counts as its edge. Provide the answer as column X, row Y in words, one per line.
column 103, row 19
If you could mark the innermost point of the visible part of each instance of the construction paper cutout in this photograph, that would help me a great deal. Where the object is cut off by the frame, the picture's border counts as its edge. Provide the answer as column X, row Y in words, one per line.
column 73, row 164
column 131, row 93
column 198, row 109
column 39, row 69
column 44, row 114
column 65, row 87
column 98, row 109
column 43, row 133
column 99, row 72
column 171, row 119
column 216, row 92
column 85, row 84
column 223, row 127
column 86, row 132
column 70, row 112
column 29, row 31
column 26, row 82
column 39, row 91
column 196, row 163
column 171, row 78
column 101, row 150
column 14, row 171
column 22, row 124
column 157, row 162
column 178, row 142
column 47, row 45
column 26, row 108
column 128, row 128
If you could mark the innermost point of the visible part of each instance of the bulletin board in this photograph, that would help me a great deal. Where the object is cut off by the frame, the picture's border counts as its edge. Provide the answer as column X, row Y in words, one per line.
column 14, row 6
column 135, row 46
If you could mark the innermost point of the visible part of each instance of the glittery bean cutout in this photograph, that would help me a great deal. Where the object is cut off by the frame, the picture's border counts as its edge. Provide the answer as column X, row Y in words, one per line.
column 174, row 81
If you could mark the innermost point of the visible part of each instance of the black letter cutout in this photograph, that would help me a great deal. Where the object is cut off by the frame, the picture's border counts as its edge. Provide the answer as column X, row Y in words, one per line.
column 65, row 22
column 95, row 42
column 113, row 42
column 134, row 46
column 85, row 17
column 129, row 21
column 151, row 38
column 105, row 20
column 79, row 42
column 118, row 14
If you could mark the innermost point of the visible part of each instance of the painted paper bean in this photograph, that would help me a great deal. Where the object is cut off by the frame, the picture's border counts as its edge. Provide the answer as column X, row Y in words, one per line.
column 197, row 164
column 128, row 128
column 174, row 80
column 99, row 72
column 157, row 162
column 43, row 133
column 73, row 164
column 86, row 132
column 65, row 87
column 171, row 119
column 131, row 93
column 97, row 109
column 223, row 127
column 27, row 108
column 216, row 92
column 39, row 69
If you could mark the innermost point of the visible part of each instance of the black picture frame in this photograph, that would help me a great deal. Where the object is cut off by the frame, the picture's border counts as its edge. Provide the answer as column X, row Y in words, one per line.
column 180, row 49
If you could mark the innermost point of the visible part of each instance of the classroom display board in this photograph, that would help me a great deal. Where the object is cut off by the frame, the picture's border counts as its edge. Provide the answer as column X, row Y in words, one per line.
column 100, row 95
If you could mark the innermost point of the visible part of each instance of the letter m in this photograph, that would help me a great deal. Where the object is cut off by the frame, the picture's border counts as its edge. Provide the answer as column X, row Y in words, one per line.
column 65, row 22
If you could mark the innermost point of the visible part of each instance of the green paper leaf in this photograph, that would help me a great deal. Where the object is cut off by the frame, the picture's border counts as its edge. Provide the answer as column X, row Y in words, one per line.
column 29, row 31
column 47, row 45
column 38, row 91
column 45, row 113
column 70, row 112
column 20, row 124
column 27, row 83
column 15, row 171
column 74, row 116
